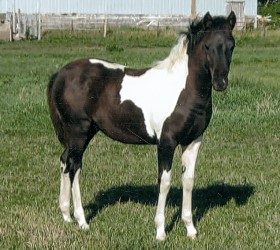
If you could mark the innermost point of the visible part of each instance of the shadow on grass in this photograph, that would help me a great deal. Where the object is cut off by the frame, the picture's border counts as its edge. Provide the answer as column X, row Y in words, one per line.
column 215, row 195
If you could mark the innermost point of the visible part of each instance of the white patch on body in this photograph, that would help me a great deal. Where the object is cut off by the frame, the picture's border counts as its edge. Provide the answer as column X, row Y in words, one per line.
column 108, row 65
column 156, row 92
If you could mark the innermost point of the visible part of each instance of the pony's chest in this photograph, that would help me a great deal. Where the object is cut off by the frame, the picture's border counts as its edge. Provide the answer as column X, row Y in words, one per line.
column 156, row 94
column 194, row 123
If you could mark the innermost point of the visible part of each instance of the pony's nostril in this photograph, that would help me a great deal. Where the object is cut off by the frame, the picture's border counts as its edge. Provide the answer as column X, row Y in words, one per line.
column 225, row 80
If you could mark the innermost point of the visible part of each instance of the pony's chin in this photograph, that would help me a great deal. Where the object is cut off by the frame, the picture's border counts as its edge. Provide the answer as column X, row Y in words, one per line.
column 220, row 85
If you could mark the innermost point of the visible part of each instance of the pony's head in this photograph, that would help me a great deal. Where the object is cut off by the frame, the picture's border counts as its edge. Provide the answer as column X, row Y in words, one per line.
column 211, row 42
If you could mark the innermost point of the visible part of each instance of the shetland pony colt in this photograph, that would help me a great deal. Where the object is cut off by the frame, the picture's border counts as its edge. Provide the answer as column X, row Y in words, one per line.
column 168, row 104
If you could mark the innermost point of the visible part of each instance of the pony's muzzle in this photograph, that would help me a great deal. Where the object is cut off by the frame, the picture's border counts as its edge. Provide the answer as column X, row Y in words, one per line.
column 220, row 84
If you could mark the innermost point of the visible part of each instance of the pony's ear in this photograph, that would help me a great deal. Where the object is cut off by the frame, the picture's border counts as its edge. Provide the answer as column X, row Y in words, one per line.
column 231, row 19
column 207, row 21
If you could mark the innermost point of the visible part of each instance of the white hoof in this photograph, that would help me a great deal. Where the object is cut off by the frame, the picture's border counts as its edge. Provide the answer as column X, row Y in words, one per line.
column 67, row 218
column 161, row 236
column 191, row 232
column 192, row 236
column 84, row 226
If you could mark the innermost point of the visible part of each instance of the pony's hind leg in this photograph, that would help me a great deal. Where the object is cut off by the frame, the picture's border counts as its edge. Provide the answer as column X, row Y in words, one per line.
column 78, row 137
column 78, row 207
column 77, row 147
column 65, row 189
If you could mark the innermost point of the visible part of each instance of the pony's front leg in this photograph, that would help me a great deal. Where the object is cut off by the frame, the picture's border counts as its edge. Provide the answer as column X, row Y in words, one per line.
column 165, row 157
column 188, row 161
column 165, row 184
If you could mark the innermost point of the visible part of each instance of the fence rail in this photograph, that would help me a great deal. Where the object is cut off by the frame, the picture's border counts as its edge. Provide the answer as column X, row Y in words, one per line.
column 26, row 26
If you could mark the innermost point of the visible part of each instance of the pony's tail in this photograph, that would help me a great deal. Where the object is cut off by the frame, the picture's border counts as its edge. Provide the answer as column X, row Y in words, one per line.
column 50, row 88
column 54, row 113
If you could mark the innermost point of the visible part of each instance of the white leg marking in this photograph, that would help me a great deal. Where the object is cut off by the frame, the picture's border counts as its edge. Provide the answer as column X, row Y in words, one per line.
column 160, row 218
column 188, row 161
column 78, row 208
column 65, row 193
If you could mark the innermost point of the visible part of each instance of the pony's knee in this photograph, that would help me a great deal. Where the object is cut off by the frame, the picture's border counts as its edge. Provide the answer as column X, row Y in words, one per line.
column 188, row 183
column 64, row 206
column 64, row 156
column 72, row 166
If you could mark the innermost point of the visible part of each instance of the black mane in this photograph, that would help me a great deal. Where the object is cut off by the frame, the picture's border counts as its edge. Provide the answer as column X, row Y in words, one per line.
column 198, row 28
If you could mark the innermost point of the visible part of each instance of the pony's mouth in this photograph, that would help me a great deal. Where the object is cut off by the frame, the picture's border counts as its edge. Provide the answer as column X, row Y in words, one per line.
column 220, row 84
column 219, row 80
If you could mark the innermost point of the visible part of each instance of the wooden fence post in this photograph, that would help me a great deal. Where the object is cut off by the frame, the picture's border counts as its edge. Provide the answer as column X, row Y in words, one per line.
column 72, row 25
column 11, row 28
column 158, row 30
column 193, row 9
column 39, row 27
column 14, row 22
column 105, row 27
column 19, row 23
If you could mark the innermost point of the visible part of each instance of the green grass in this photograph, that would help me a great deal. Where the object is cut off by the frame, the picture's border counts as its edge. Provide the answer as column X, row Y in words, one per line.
column 236, row 195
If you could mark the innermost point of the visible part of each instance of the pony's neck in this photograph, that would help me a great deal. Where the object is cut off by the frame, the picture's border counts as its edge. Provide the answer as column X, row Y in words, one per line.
column 199, row 78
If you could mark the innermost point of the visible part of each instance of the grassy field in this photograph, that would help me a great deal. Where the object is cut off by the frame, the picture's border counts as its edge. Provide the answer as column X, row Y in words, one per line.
column 236, row 196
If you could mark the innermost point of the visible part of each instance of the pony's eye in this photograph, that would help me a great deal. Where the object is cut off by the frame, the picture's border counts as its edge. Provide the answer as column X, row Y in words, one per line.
column 206, row 47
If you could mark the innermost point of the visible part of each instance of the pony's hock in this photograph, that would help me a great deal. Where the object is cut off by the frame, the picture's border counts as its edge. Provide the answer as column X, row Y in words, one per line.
column 168, row 104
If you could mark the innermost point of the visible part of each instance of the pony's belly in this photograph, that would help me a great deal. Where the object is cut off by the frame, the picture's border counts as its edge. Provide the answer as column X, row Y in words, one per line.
column 130, row 135
column 125, row 123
